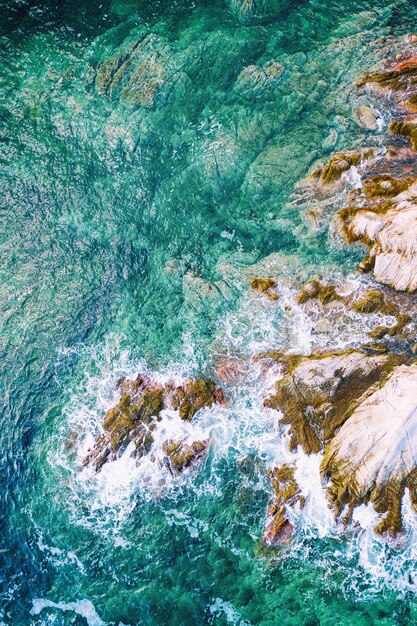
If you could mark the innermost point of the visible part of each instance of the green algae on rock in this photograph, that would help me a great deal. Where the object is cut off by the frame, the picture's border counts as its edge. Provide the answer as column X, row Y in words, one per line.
column 255, row 11
column 287, row 493
column 259, row 81
column 372, row 457
column 318, row 393
column 138, row 411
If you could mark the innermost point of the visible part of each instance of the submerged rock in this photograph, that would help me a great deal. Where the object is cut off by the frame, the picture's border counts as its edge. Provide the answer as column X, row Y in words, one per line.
column 142, row 75
column 254, row 11
column 287, row 493
column 318, row 393
column 256, row 81
column 366, row 117
column 372, row 457
column 136, row 415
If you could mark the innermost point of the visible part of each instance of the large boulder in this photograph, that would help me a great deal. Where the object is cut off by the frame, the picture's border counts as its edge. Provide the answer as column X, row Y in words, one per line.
column 390, row 231
column 318, row 393
column 373, row 456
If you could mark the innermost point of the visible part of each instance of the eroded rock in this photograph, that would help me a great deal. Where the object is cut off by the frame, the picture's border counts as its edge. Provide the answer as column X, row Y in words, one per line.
column 390, row 231
column 136, row 415
column 287, row 493
column 373, row 456
column 181, row 455
column 318, row 393
column 265, row 286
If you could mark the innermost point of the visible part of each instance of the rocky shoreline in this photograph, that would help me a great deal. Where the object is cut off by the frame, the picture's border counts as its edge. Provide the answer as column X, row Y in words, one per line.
column 356, row 407
column 360, row 408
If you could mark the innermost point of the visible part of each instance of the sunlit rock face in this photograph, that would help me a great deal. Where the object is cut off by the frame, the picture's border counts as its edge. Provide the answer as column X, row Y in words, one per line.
column 318, row 393
column 373, row 456
column 391, row 233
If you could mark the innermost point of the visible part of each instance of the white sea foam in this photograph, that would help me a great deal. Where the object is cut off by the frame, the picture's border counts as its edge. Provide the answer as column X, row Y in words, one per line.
column 220, row 607
column 84, row 607
column 240, row 429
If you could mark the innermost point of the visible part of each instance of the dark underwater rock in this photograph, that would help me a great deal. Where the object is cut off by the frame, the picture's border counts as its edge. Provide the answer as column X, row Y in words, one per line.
column 142, row 75
column 258, row 82
column 255, row 11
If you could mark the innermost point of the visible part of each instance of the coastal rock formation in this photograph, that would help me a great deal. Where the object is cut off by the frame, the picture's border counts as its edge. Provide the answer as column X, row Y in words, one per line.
column 181, row 455
column 318, row 393
column 265, row 286
column 287, row 493
column 390, row 230
column 373, row 456
column 136, row 415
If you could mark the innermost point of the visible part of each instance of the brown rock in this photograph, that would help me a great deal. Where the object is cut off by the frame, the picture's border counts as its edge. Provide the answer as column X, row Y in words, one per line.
column 287, row 493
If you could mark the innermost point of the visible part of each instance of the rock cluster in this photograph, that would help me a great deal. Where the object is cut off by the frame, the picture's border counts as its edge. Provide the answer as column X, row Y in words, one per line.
column 135, row 418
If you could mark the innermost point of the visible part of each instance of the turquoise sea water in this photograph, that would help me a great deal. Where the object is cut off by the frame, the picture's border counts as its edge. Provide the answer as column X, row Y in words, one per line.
column 126, row 238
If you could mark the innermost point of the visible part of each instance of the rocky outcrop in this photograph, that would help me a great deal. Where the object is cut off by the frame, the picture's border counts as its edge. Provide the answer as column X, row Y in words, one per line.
column 382, row 211
column 136, row 415
column 390, row 231
column 265, row 286
column 181, row 455
column 318, row 393
column 359, row 407
column 287, row 493
column 373, row 456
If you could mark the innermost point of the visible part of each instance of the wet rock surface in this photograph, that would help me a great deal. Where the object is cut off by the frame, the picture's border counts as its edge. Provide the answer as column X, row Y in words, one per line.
column 181, row 455
column 287, row 494
column 136, row 415
column 373, row 456
column 318, row 393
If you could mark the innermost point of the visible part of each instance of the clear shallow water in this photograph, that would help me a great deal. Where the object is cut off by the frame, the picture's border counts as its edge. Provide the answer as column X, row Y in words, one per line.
column 127, row 240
